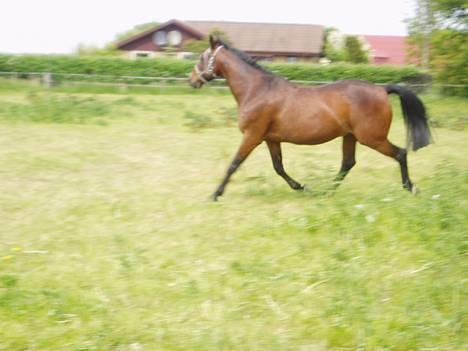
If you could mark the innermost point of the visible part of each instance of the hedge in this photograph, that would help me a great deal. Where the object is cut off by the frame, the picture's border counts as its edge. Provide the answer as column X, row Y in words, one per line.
column 95, row 65
column 165, row 67
column 338, row 71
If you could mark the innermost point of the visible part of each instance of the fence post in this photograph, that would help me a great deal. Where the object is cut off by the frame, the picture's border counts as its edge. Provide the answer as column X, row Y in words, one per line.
column 123, row 87
column 47, row 79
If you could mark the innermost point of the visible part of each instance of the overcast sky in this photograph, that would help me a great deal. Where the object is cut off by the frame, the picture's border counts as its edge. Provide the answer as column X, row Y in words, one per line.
column 58, row 26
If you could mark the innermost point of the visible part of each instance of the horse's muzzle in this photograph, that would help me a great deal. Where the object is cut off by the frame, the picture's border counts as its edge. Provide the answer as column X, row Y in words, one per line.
column 195, row 83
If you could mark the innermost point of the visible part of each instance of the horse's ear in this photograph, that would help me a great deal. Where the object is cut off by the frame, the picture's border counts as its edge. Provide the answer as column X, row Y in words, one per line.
column 213, row 42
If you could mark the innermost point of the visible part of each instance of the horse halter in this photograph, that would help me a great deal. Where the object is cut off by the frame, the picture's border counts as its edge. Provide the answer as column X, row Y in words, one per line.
column 210, row 67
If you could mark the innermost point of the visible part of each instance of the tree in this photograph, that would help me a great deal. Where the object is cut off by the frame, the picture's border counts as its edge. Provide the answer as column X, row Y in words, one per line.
column 420, row 28
column 218, row 33
column 348, row 48
column 90, row 50
column 354, row 51
column 334, row 44
column 438, row 34
column 454, row 13
column 198, row 46
column 110, row 49
column 139, row 28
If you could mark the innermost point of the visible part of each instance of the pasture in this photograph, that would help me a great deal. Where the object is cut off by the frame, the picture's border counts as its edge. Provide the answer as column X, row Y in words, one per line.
column 108, row 240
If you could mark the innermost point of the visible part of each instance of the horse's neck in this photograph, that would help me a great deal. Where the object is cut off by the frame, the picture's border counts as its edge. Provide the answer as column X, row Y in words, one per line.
column 240, row 77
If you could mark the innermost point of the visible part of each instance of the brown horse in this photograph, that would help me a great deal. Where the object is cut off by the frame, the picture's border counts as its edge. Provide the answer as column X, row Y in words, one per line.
column 272, row 109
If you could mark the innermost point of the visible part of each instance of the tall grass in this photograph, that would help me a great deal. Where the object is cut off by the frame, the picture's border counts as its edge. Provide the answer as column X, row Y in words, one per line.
column 108, row 240
column 73, row 107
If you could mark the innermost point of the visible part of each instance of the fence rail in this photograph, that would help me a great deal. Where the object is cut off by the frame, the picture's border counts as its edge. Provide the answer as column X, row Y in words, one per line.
column 51, row 78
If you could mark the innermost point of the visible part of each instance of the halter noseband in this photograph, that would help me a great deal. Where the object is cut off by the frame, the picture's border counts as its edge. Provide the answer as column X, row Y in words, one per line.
column 210, row 67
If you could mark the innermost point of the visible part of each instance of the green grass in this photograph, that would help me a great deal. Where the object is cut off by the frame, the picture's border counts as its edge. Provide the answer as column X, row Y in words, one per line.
column 108, row 240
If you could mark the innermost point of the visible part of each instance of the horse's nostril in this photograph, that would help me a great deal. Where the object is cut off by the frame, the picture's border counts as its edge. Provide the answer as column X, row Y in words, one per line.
column 194, row 84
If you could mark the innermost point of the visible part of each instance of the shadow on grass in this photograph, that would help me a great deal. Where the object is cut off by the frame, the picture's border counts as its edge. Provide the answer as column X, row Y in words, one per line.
column 263, row 187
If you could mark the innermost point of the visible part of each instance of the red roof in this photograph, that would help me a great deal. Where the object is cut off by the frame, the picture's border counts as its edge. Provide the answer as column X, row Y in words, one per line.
column 386, row 49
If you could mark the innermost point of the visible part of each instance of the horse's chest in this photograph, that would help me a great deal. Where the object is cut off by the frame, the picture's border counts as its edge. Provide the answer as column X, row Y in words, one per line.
column 257, row 123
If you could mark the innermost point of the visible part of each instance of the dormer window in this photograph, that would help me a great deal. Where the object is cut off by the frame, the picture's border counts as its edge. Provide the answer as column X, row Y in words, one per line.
column 160, row 38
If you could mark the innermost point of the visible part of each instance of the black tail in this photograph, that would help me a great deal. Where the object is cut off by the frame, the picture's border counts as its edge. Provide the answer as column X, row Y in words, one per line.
column 414, row 113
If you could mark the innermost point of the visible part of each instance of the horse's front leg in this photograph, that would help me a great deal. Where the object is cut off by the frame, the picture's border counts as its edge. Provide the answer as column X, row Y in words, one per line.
column 249, row 142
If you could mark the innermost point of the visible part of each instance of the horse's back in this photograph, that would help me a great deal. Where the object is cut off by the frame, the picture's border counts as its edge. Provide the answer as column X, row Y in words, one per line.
column 314, row 115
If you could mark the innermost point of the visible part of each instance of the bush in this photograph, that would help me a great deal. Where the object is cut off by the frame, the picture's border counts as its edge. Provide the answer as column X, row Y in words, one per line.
column 95, row 65
column 165, row 67
column 339, row 71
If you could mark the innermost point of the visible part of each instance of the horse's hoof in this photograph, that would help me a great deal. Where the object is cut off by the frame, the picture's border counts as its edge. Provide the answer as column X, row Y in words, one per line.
column 215, row 196
column 415, row 190
column 296, row 186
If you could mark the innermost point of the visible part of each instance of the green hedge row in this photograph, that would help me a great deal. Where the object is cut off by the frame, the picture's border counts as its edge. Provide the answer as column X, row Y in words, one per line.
column 95, row 65
column 164, row 67
column 338, row 71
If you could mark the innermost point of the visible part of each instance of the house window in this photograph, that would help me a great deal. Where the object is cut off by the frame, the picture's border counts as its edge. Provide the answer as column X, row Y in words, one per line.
column 141, row 54
column 174, row 38
column 186, row 55
column 160, row 38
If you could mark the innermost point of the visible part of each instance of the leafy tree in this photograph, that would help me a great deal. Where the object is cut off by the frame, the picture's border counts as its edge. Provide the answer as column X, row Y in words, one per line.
column 110, row 49
column 454, row 13
column 90, row 50
column 198, row 46
column 438, row 34
column 139, row 28
column 354, row 51
column 347, row 48
column 333, row 45
column 218, row 33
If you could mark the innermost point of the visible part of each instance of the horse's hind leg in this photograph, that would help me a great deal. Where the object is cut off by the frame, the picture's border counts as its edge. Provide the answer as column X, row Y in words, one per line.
column 399, row 154
column 349, row 160
column 277, row 159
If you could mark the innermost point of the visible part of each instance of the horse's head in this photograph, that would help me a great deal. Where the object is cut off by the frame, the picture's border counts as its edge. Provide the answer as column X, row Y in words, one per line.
column 206, row 69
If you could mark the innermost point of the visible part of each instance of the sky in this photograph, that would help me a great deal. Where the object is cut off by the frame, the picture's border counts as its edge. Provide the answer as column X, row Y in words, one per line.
column 59, row 26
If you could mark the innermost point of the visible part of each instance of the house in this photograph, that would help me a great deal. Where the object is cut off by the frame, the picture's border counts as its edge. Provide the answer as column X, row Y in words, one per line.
column 268, row 41
column 384, row 49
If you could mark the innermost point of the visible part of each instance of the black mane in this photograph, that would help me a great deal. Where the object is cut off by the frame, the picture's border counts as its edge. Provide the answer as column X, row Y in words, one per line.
column 246, row 58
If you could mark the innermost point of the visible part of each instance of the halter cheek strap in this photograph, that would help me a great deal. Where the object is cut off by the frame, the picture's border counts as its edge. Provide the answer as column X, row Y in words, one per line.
column 210, row 67
column 200, row 74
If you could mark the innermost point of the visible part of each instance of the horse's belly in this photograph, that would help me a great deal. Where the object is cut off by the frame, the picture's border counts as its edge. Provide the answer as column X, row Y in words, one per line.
column 305, row 130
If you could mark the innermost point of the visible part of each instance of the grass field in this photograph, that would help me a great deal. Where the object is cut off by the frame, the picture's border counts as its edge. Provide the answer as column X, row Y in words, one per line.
column 108, row 240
